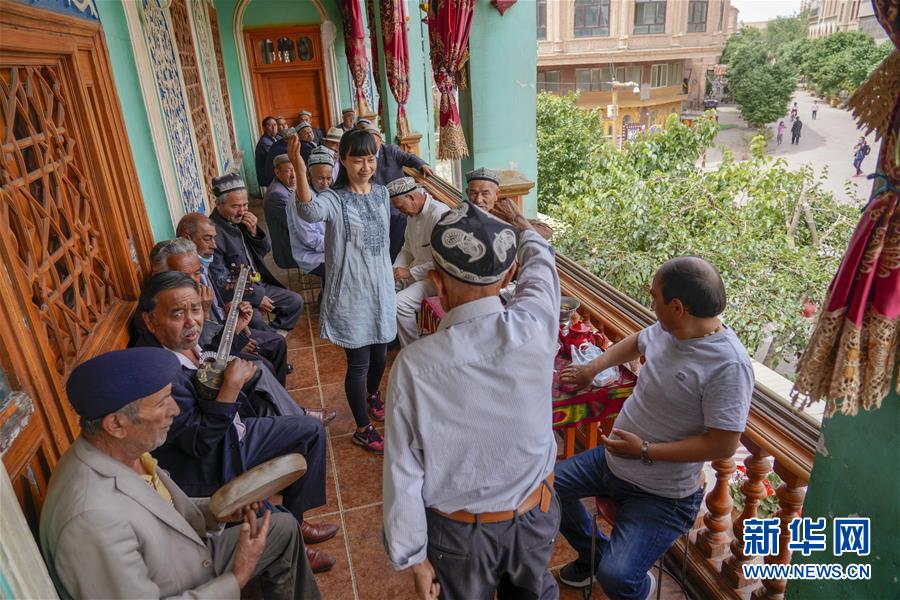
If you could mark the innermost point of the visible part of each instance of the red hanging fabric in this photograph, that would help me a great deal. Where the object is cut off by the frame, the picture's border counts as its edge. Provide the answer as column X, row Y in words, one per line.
column 355, row 41
column 373, row 42
column 396, row 57
column 449, row 23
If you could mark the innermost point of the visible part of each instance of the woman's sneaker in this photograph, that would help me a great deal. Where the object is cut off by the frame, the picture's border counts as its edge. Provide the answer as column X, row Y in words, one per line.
column 576, row 574
column 376, row 407
column 369, row 439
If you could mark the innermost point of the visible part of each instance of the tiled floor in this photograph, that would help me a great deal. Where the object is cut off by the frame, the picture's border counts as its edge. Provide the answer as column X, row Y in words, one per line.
column 354, row 502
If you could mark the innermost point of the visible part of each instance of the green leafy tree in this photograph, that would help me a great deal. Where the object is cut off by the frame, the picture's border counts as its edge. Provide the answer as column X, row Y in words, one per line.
column 841, row 61
column 785, row 30
column 763, row 93
column 772, row 232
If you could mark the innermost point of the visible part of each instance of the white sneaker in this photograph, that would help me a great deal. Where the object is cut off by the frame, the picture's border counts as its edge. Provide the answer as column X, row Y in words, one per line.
column 282, row 332
column 653, row 583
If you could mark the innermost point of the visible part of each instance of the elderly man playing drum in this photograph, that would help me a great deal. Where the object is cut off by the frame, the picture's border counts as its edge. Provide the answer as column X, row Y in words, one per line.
column 469, row 505
column 114, row 525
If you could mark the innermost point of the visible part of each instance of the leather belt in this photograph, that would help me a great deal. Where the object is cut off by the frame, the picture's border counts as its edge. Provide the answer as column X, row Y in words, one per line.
column 541, row 495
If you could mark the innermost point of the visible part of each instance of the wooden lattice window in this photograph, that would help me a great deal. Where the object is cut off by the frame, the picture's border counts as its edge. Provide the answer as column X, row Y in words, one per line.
column 190, row 72
column 48, row 213
column 220, row 63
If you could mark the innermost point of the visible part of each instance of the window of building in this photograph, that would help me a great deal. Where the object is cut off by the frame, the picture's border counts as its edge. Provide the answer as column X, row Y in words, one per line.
column 649, row 16
column 591, row 80
column 542, row 19
column 721, row 14
column 548, row 81
column 697, row 10
column 676, row 73
column 659, row 76
column 591, row 18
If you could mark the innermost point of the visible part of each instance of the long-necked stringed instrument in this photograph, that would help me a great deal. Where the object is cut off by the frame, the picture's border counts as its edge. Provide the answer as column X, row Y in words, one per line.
column 211, row 372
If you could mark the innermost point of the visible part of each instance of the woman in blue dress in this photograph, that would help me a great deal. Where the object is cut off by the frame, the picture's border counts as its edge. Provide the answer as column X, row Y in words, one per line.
column 358, row 310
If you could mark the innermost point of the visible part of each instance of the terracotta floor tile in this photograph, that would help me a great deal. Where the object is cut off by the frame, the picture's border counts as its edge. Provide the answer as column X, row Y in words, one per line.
column 358, row 473
column 331, row 499
column 304, row 374
column 299, row 336
column 333, row 397
column 375, row 578
column 335, row 584
column 317, row 338
column 562, row 553
column 332, row 363
column 307, row 397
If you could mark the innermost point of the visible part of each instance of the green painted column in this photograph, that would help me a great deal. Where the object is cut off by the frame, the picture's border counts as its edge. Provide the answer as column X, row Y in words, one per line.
column 137, row 125
column 856, row 474
column 498, row 108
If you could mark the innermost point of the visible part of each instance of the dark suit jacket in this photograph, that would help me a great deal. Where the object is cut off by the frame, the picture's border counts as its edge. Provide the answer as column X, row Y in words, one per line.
column 391, row 160
column 275, row 206
column 280, row 147
column 262, row 151
column 230, row 251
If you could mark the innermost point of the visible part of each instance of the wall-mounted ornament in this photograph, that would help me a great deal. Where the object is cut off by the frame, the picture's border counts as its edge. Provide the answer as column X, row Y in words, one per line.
column 502, row 5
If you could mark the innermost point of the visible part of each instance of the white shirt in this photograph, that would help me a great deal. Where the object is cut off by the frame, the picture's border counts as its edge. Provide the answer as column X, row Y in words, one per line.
column 416, row 252
column 188, row 364
column 469, row 420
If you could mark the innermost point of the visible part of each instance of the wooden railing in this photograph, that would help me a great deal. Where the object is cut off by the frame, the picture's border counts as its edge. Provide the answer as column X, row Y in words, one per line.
column 776, row 439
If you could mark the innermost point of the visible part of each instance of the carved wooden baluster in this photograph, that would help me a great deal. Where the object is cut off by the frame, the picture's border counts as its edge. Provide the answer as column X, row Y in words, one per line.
column 753, row 489
column 790, row 501
column 713, row 539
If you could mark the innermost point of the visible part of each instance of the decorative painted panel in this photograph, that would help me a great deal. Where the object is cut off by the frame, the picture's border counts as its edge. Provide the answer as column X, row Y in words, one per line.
column 220, row 64
column 217, row 106
column 48, row 213
column 86, row 9
column 193, row 86
column 175, row 113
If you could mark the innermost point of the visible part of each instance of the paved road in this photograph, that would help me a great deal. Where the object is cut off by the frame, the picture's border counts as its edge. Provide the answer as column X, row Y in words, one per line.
column 825, row 142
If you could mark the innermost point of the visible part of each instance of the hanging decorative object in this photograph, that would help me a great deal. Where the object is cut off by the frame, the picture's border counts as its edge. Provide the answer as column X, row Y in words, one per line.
column 355, row 41
column 502, row 5
column 396, row 57
column 449, row 23
column 855, row 347
column 373, row 42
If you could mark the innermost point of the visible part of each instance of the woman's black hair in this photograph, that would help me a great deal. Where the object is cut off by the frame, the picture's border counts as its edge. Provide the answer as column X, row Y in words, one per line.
column 356, row 142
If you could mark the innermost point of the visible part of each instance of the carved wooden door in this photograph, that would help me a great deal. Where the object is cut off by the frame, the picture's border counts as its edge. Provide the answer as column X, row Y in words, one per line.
column 190, row 71
column 75, row 236
column 288, row 74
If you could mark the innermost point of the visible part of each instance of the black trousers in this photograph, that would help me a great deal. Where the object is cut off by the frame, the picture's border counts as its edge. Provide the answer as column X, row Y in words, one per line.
column 288, row 306
column 272, row 347
column 511, row 558
column 365, row 367
column 270, row 437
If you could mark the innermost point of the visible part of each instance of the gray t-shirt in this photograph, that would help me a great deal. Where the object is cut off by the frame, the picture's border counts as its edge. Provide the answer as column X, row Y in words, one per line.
column 685, row 387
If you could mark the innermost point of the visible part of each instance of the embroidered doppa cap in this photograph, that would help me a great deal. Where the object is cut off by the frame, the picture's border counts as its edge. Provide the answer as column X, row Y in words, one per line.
column 473, row 246
column 281, row 159
column 483, row 174
column 320, row 156
column 303, row 126
column 374, row 131
column 363, row 122
column 401, row 185
column 305, row 113
column 347, row 110
column 106, row 383
column 334, row 134
column 227, row 183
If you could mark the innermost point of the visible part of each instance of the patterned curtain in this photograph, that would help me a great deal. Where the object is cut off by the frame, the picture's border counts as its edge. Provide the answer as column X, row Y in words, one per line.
column 355, row 40
column 373, row 41
column 396, row 57
column 449, row 22
column 855, row 347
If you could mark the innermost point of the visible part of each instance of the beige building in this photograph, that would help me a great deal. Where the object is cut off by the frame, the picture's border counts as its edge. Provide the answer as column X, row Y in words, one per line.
column 666, row 47
column 829, row 16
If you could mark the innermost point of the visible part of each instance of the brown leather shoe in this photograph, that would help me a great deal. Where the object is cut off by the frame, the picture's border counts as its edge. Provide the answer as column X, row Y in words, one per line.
column 322, row 414
column 315, row 534
column 319, row 561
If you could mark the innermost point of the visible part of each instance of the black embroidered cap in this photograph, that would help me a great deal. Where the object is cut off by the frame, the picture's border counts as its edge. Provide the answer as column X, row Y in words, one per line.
column 473, row 246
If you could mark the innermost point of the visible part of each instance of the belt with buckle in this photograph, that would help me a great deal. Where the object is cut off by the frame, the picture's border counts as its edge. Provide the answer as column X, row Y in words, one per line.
column 541, row 495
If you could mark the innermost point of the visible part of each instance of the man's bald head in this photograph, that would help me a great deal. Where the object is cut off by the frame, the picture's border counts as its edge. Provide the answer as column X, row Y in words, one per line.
column 695, row 282
column 199, row 229
column 190, row 223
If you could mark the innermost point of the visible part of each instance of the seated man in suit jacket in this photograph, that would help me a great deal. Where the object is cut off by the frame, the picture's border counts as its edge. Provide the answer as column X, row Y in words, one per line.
column 240, row 241
column 114, row 525
column 391, row 160
column 270, row 128
column 212, row 441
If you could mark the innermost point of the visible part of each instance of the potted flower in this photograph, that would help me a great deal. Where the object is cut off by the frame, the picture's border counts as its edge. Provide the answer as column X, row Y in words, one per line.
column 768, row 506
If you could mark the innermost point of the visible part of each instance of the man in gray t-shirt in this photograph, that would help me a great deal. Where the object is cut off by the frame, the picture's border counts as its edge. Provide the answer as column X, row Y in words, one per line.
column 689, row 406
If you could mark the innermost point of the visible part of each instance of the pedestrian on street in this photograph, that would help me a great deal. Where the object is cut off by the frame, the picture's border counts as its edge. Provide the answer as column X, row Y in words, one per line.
column 795, row 112
column 780, row 135
column 815, row 109
column 795, row 131
column 860, row 152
